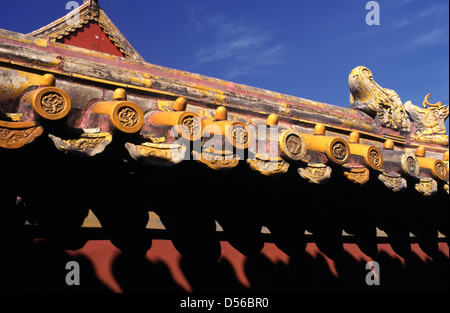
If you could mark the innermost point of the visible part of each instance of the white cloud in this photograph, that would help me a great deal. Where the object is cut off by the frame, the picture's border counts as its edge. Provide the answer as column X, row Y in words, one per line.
column 245, row 47
column 434, row 11
column 436, row 35
column 400, row 3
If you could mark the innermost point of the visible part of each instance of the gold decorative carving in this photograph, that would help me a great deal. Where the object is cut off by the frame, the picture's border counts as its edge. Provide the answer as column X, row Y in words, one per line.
column 14, row 135
column 358, row 175
column 268, row 166
column 87, row 145
column 433, row 139
column 429, row 122
column 217, row 160
column 385, row 104
column 446, row 188
column 157, row 154
column 128, row 116
column 393, row 182
column 316, row 173
column 427, row 187
column 52, row 103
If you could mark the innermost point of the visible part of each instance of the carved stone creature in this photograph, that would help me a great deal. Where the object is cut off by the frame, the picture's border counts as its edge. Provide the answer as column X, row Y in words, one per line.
column 429, row 121
column 380, row 103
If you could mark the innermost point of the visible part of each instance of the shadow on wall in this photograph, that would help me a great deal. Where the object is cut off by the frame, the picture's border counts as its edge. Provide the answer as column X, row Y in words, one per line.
column 55, row 192
column 42, row 268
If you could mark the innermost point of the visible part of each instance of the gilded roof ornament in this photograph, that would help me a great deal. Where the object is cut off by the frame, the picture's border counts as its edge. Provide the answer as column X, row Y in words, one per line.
column 381, row 103
column 429, row 121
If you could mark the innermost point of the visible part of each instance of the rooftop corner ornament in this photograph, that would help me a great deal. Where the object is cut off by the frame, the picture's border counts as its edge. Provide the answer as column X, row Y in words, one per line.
column 381, row 103
column 429, row 121
column 87, row 101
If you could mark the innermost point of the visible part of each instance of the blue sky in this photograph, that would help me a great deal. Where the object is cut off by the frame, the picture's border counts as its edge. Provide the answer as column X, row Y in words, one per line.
column 300, row 48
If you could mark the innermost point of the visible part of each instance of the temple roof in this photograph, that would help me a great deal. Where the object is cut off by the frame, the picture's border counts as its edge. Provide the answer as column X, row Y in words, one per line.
column 89, row 27
column 378, row 136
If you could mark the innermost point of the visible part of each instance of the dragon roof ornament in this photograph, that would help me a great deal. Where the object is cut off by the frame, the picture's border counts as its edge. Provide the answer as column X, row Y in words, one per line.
column 381, row 103
column 429, row 121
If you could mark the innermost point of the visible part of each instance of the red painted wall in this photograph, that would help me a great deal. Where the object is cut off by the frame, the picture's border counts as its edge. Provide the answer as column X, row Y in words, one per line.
column 92, row 37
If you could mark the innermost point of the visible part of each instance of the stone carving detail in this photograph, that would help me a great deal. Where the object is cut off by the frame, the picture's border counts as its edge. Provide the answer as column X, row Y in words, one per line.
column 427, row 187
column 434, row 139
column 292, row 145
column 440, row 169
column 381, row 103
column 157, row 154
column 429, row 122
column 52, row 103
column 316, row 173
column 87, row 145
column 17, row 138
column 240, row 136
column 395, row 183
column 268, row 166
column 192, row 125
column 410, row 164
column 358, row 175
column 339, row 151
column 13, row 135
column 375, row 157
column 217, row 161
